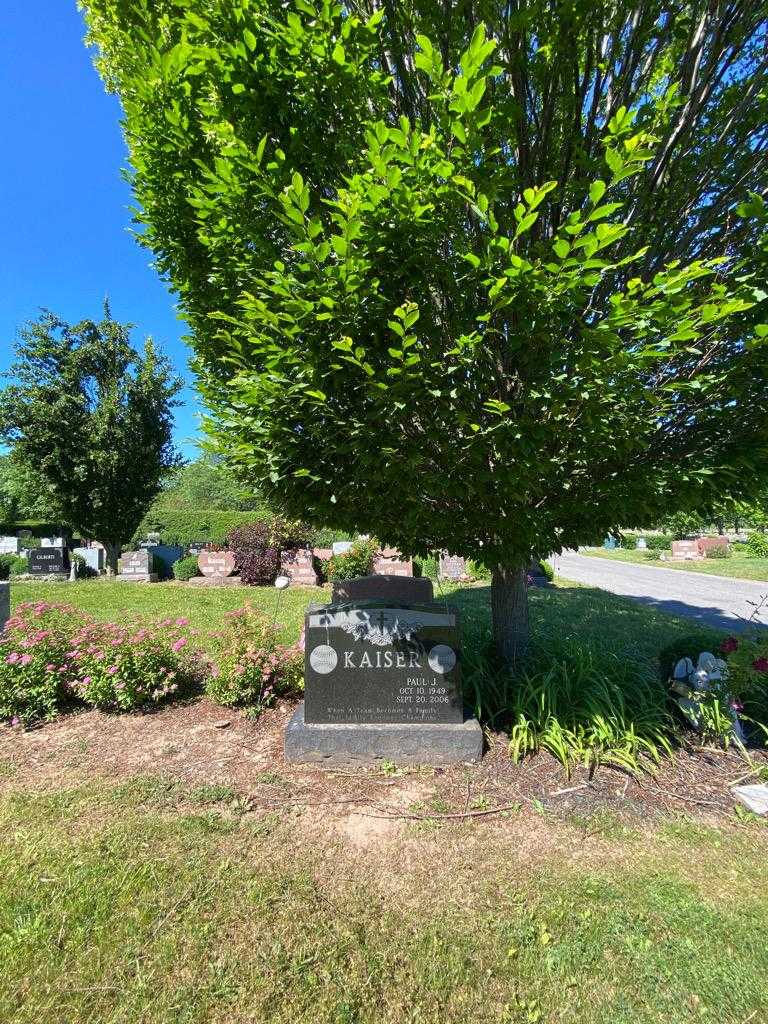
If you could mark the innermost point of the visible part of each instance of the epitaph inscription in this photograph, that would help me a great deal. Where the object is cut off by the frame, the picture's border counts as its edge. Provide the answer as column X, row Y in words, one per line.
column 382, row 662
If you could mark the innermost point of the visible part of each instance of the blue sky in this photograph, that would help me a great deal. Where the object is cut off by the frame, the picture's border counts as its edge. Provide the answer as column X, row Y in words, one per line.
column 65, row 218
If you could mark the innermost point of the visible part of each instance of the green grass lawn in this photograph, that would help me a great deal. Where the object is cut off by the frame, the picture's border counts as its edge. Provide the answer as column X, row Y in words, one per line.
column 557, row 614
column 155, row 901
column 739, row 566
column 148, row 902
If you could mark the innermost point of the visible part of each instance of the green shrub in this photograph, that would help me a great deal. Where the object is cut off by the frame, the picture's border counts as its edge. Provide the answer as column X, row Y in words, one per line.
column 249, row 667
column 428, row 567
column 757, row 545
column 19, row 565
column 547, row 570
column 651, row 556
column 721, row 552
column 477, row 571
column 185, row 568
column 5, row 566
column 34, row 675
column 117, row 668
column 358, row 561
column 658, row 542
column 739, row 547
column 186, row 526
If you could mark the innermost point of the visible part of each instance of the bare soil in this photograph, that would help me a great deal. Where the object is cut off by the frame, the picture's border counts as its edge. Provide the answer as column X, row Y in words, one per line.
column 200, row 743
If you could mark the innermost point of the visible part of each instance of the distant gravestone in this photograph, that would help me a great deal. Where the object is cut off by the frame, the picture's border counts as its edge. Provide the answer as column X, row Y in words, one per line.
column 390, row 562
column 216, row 564
column 452, row 567
column 137, row 566
column 10, row 545
column 382, row 681
column 49, row 562
column 641, row 544
column 52, row 542
column 610, row 544
column 341, row 547
column 706, row 544
column 299, row 567
column 686, row 550
column 5, row 603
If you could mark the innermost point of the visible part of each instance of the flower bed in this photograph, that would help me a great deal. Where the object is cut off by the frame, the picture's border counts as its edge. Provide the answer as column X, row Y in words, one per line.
column 53, row 656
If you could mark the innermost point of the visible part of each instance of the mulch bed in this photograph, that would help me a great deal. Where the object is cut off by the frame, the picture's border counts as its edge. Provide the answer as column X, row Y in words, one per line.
column 199, row 742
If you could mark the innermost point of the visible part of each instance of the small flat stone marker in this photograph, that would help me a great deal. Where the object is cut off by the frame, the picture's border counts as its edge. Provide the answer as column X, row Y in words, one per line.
column 754, row 797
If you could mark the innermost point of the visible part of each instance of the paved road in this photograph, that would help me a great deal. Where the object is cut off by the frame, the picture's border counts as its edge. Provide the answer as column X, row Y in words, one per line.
column 712, row 600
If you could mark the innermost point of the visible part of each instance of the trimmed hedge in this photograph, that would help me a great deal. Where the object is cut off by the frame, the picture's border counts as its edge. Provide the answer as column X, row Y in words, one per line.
column 186, row 526
column 185, row 568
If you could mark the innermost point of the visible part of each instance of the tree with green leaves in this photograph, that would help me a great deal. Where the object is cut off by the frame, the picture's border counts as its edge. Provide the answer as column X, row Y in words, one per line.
column 92, row 418
column 475, row 276
column 208, row 483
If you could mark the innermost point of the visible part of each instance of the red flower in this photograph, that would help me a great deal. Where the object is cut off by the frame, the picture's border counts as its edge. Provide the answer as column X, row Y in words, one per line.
column 729, row 645
column 760, row 665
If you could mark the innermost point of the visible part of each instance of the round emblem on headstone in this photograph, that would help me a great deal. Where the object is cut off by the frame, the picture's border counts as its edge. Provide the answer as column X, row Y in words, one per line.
column 323, row 659
column 442, row 658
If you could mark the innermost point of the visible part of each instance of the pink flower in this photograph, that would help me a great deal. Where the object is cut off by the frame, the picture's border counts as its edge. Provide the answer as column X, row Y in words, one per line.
column 12, row 658
column 111, row 670
column 729, row 645
column 15, row 720
column 25, row 659
column 760, row 665
column 86, row 680
column 179, row 644
column 50, row 668
column 182, row 622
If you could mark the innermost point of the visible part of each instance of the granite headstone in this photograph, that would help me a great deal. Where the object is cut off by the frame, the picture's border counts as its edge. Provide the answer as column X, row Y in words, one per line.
column 138, row 566
column 452, row 567
column 383, row 679
column 298, row 566
column 48, row 561
column 216, row 564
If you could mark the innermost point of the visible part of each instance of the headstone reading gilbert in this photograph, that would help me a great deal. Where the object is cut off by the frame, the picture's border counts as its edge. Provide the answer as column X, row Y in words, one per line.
column 49, row 562
column 383, row 679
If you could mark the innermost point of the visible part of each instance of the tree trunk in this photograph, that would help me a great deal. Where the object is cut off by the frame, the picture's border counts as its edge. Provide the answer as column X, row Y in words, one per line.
column 112, row 554
column 509, row 614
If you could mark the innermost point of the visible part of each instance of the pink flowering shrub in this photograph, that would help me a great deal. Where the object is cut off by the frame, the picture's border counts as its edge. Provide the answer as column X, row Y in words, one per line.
column 51, row 654
column 33, row 667
column 118, row 668
column 249, row 666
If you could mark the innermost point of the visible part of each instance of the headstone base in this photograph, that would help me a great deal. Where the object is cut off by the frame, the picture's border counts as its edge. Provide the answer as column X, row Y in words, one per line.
column 150, row 577
column 356, row 744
